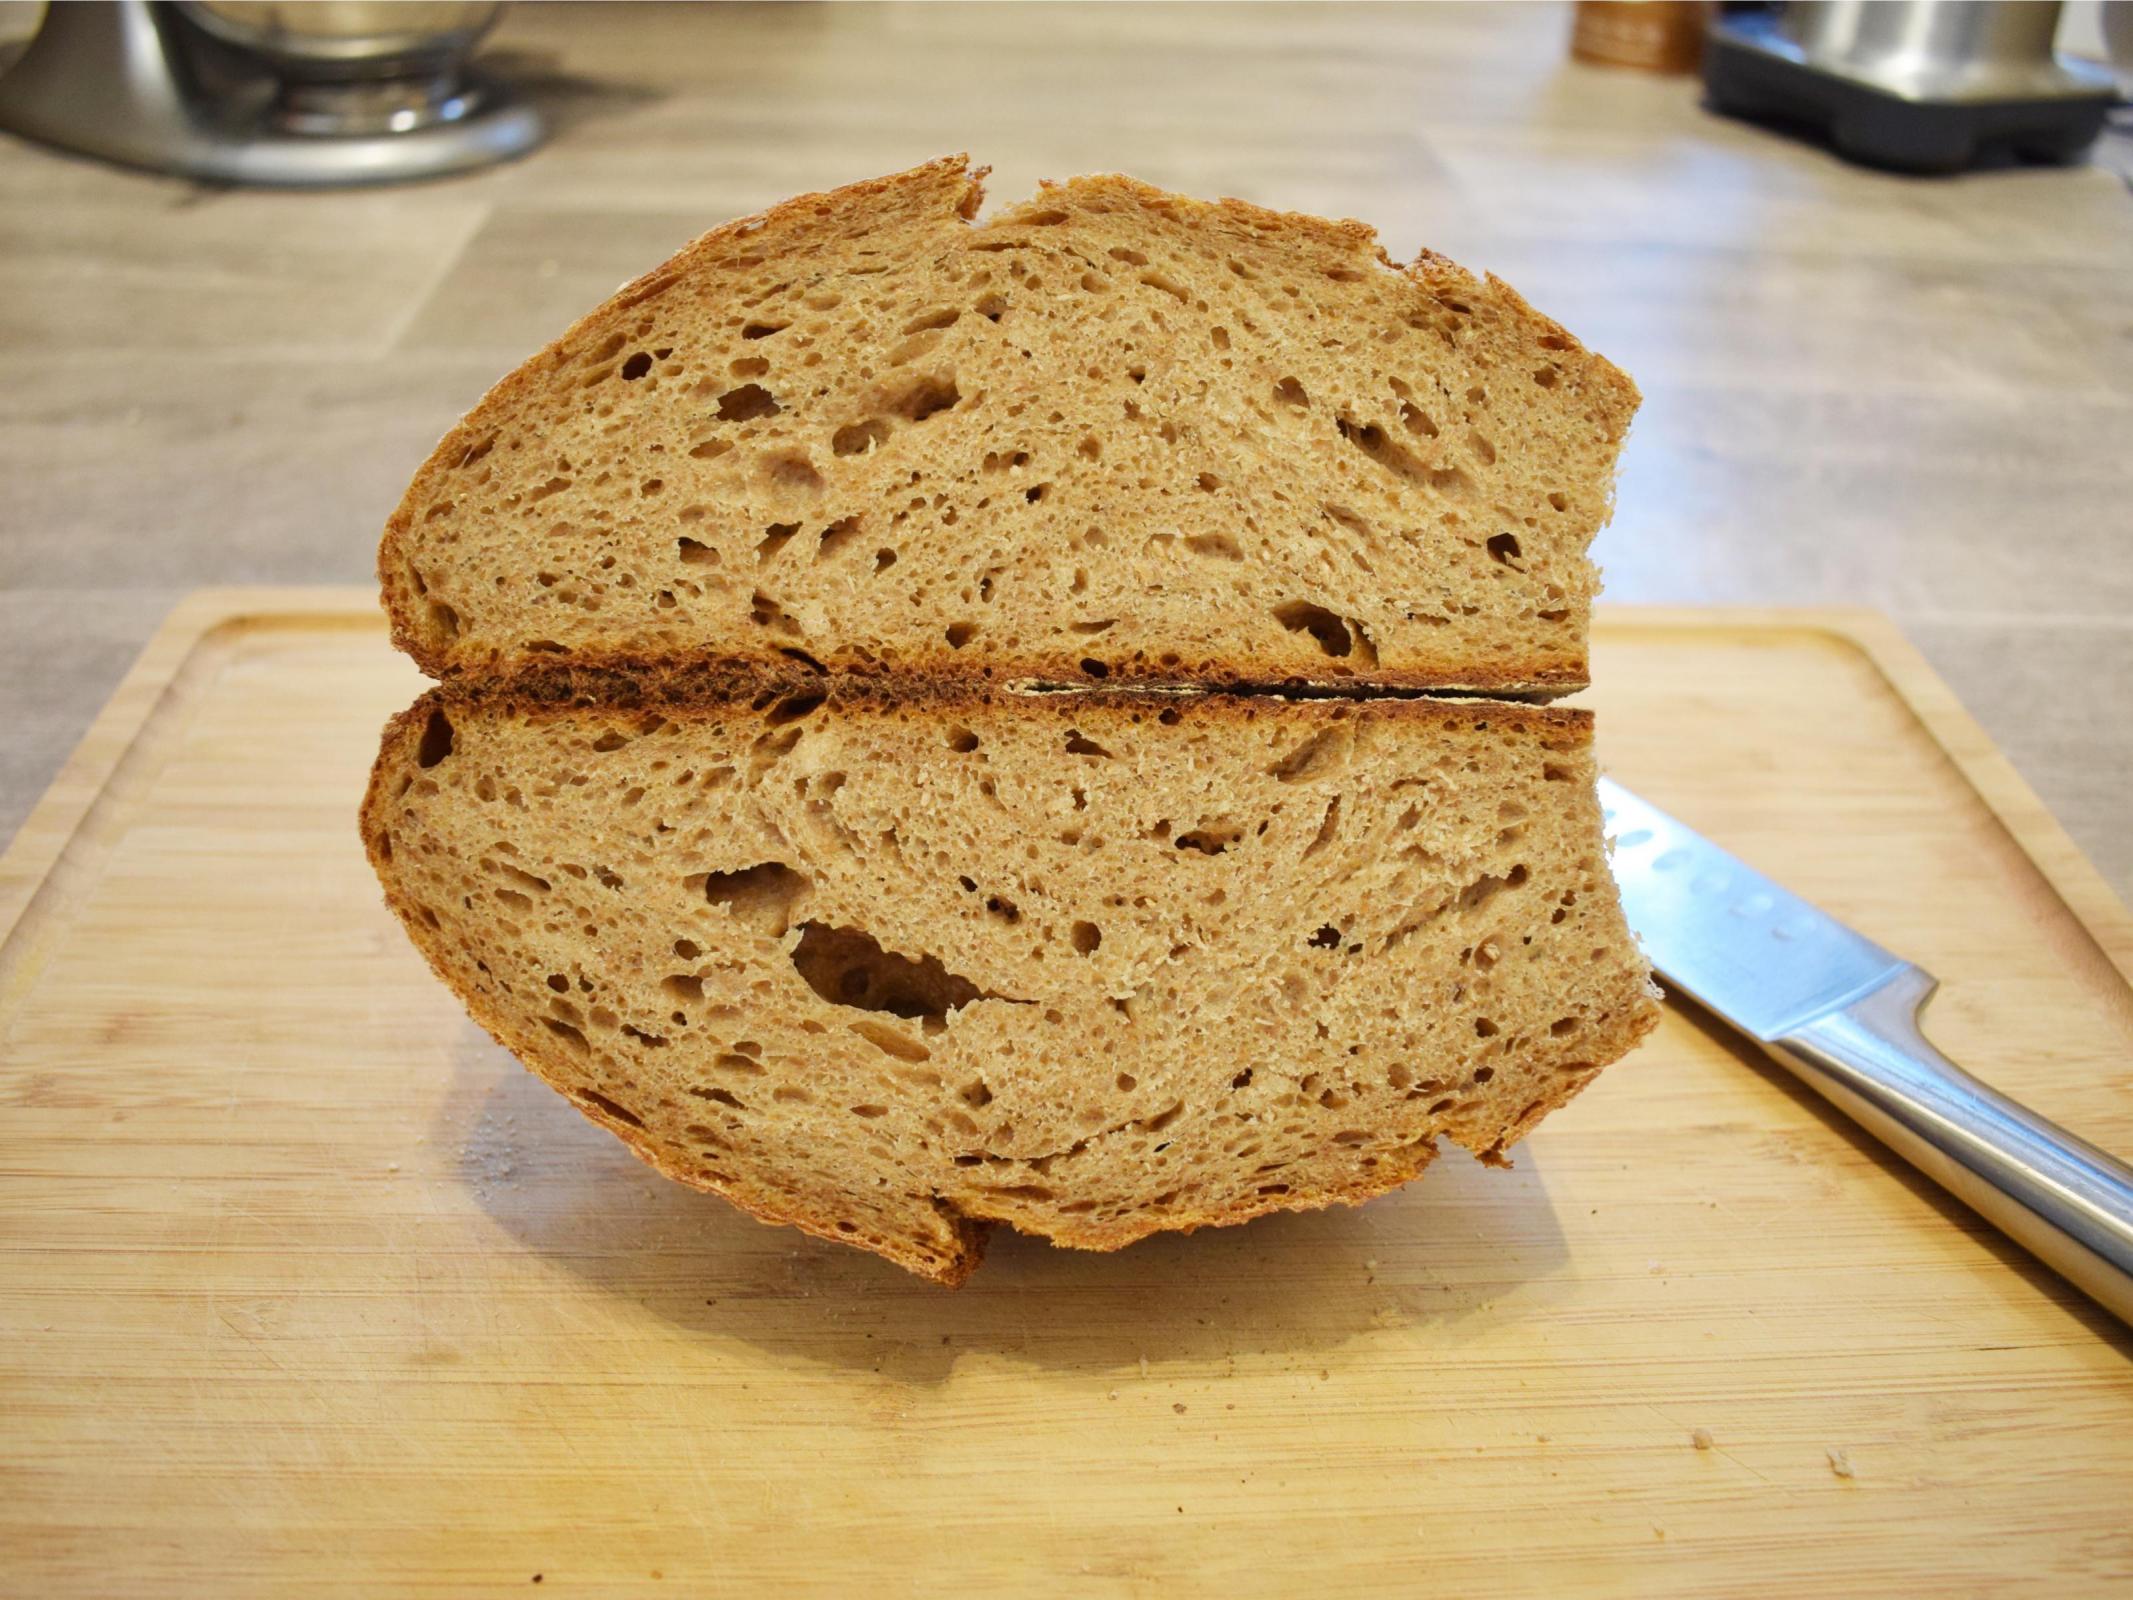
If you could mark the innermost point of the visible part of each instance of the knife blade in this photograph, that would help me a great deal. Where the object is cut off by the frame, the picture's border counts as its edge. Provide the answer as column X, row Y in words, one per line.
column 1842, row 1013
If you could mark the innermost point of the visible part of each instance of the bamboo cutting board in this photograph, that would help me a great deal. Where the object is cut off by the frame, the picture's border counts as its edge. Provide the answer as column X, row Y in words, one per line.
column 306, row 1288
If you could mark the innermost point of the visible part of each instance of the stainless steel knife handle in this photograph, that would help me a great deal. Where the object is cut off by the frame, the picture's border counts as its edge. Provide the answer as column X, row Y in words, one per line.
column 2067, row 1202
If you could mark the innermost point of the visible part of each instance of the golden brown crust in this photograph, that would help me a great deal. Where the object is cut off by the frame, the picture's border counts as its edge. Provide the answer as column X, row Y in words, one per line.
column 681, row 688
column 1538, row 680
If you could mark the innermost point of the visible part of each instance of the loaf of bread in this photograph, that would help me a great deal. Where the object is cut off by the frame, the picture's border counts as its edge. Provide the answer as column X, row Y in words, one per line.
column 1111, row 434
column 948, row 723
column 890, row 966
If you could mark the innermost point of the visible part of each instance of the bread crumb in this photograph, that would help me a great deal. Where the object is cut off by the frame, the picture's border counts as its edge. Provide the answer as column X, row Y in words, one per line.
column 1113, row 1395
column 1144, row 1366
column 1370, row 1263
column 1840, row 1461
column 1701, row 1438
column 1178, row 1406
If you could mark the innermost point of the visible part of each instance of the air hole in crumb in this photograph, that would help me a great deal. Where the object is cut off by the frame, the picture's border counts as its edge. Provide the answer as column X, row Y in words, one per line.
column 762, row 897
column 848, row 967
column 1503, row 547
column 436, row 740
column 962, row 741
column 1087, row 938
column 856, row 438
column 1079, row 746
column 747, row 403
column 793, row 707
column 1324, row 752
column 775, row 538
column 614, row 1108
column 1330, row 632
column 695, row 553
column 793, row 470
column 925, row 397
column 1327, row 938
column 1210, row 840
column 960, row 634
column 568, row 1034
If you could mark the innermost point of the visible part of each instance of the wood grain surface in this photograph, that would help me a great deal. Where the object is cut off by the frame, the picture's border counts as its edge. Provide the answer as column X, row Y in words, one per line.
column 307, row 1288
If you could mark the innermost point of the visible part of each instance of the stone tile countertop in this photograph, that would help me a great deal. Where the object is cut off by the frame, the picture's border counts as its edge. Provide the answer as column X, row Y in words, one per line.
column 1870, row 390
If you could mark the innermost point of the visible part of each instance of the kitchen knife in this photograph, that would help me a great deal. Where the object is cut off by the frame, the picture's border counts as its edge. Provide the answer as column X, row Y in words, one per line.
column 1842, row 1013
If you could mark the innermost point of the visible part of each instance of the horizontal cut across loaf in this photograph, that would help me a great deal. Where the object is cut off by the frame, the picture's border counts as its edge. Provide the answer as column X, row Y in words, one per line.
column 892, row 965
column 1110, row 434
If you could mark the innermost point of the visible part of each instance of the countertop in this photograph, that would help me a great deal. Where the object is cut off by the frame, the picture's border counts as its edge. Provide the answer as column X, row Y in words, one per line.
column 1910, row 394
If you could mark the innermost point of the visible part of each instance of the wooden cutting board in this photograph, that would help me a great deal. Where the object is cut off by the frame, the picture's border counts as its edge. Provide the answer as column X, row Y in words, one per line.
column 306, row 1288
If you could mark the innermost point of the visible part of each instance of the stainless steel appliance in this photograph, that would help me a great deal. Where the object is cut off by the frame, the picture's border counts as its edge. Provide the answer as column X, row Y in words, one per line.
column 1920, row 85
column 342, row 92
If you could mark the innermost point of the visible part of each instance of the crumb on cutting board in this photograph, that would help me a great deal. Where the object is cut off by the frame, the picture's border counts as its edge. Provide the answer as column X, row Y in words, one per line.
column 1840, row 1461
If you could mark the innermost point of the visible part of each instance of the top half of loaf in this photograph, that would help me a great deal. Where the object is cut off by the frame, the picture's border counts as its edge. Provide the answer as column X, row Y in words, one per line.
column 1110, row 433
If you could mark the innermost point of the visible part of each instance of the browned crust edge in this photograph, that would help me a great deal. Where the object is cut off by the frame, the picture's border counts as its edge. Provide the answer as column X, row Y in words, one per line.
column 1442, row 279
column 683, row 688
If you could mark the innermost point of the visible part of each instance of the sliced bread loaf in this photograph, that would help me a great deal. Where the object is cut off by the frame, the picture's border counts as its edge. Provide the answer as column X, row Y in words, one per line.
column 889, row 964
column 1110, row 434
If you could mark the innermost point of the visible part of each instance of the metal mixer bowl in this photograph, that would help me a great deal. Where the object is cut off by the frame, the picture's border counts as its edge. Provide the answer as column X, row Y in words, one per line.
column 352, row 67
column 347, row 38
